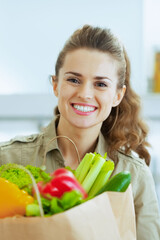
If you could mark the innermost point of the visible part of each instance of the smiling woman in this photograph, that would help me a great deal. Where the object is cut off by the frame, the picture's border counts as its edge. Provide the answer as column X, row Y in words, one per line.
column 98, row 110
column 96, row 52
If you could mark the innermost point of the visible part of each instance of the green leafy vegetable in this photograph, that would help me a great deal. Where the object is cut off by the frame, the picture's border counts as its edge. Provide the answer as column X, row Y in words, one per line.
column 20, row 177
column 55, row 204
column 71, row 199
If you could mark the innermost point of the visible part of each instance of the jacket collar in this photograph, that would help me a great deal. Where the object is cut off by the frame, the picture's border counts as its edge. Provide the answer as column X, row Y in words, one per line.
column 102, row 146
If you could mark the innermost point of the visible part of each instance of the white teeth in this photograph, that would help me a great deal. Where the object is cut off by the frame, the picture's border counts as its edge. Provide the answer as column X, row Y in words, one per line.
column 83, row 108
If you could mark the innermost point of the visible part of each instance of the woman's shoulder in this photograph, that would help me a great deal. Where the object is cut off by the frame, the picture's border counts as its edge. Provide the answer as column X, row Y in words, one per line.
column 131, row 159
column 20, row 149
column 18, row 141
column 26, row 149
column 30, row 140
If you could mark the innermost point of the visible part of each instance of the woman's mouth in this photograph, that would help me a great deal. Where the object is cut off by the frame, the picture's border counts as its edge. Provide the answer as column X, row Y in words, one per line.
column 83, row 109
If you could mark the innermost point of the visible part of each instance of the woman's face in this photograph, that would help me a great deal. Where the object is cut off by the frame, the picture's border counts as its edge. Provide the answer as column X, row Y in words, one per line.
column 87, row 88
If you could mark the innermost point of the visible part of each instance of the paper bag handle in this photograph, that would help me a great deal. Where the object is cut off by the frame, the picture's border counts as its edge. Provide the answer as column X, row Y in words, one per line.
column 53, row 139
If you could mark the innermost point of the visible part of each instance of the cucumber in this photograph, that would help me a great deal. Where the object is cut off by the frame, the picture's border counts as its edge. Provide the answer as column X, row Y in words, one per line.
column 118, row 183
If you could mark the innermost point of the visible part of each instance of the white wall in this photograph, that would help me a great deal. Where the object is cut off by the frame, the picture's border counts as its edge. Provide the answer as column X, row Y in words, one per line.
column 33, row 32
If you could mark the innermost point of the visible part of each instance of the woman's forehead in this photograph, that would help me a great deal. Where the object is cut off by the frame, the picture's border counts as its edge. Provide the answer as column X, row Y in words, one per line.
column 89, row 60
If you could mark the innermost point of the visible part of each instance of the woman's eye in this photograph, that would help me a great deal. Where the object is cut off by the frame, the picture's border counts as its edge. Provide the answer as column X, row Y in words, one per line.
column 101, row 84
column 73, row 80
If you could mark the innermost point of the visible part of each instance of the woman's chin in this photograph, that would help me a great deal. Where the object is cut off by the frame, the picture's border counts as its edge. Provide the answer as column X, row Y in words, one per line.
column 83, row 124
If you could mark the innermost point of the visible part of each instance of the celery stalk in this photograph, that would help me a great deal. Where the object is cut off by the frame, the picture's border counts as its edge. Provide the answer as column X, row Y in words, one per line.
column 102, row 177
column 84, row 166
column 98, row 162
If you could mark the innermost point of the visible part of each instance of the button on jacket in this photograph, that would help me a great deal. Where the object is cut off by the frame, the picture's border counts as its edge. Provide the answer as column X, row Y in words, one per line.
column 37, row 148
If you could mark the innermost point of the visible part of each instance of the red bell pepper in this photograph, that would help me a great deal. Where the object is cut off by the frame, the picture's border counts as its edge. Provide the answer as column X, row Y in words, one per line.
column 62, row 180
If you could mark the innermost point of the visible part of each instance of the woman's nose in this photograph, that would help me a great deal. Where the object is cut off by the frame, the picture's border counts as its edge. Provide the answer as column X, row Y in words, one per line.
column 86, row 91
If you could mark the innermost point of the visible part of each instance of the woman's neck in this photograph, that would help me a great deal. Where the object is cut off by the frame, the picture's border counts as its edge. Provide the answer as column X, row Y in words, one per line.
column 84, row 139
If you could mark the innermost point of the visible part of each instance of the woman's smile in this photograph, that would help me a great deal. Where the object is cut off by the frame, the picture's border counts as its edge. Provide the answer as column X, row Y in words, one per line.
column 83, row 109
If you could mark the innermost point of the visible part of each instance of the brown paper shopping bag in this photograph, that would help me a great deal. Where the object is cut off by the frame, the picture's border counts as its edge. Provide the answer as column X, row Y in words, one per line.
column 108, row 216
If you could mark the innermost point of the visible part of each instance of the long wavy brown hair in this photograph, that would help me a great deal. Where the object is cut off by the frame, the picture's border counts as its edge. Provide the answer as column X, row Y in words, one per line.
column 124, row 129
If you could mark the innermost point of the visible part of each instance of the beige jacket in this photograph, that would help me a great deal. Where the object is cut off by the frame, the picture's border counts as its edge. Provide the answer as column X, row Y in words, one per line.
column 34, row 149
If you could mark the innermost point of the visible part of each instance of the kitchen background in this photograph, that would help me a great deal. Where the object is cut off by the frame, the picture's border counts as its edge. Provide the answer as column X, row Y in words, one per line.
column 33, row 32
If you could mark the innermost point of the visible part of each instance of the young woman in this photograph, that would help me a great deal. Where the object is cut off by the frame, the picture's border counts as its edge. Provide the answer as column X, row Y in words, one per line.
column 98, row 111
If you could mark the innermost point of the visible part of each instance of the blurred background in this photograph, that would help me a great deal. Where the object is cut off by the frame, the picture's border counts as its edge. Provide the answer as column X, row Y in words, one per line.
column 33, row 32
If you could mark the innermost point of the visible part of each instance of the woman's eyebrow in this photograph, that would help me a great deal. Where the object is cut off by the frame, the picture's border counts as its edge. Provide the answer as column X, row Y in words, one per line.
column 96, row 77
column 102, row 77
column 74, row 73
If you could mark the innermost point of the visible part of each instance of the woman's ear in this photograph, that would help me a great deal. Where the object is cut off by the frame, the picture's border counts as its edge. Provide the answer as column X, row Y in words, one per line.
column 119, row 96
column 55, row 85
